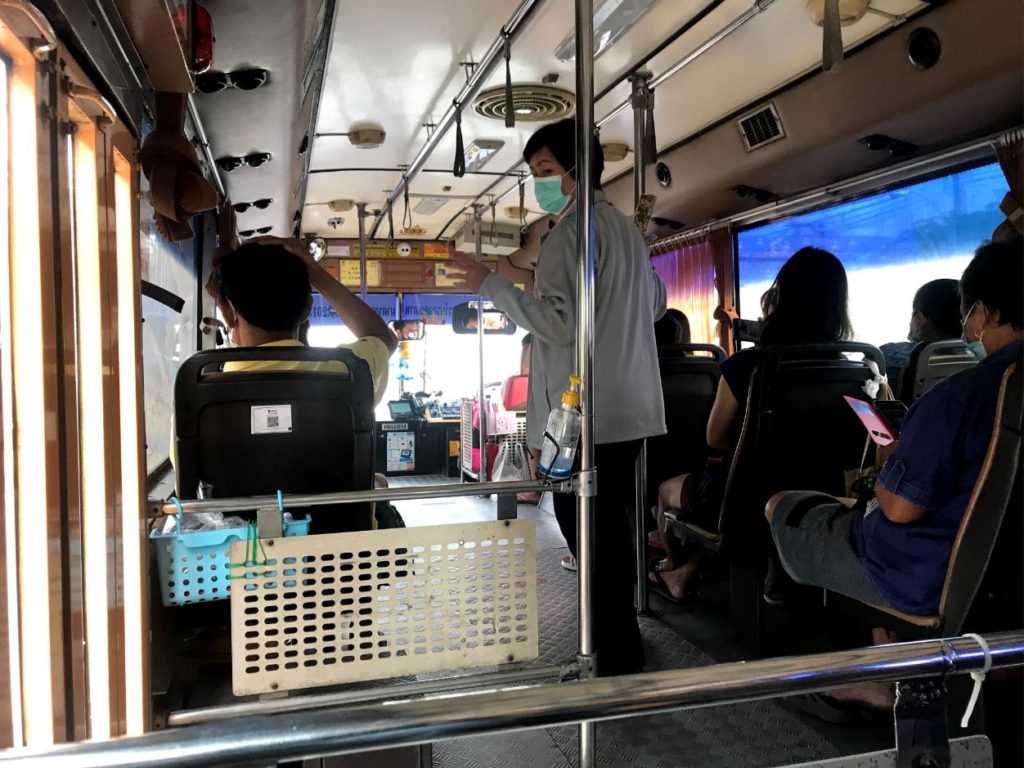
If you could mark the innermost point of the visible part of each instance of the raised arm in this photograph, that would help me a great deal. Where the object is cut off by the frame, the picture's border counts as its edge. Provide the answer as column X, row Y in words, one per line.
column 550, row 315
column 354, row 313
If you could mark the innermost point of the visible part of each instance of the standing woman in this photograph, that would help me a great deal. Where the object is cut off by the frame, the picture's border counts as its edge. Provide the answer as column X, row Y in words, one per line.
column 628, row 404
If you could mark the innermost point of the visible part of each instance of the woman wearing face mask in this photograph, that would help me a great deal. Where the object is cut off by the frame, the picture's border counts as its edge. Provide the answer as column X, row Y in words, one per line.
column 895, row 551
column 628, row 404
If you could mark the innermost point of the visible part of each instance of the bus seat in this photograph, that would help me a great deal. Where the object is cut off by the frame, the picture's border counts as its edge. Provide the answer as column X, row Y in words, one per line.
column 797, row 432
column 515, row 392
column 224, row 440
column 982, row 589
column 931, row 363
column 689, row 381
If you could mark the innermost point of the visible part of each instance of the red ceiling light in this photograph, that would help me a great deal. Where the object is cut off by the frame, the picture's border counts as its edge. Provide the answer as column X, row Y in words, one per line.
column 195, row 23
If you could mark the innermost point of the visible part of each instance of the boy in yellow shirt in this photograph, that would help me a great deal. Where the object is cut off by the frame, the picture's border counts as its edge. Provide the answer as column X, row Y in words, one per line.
column 264, row 295
column 263, row 291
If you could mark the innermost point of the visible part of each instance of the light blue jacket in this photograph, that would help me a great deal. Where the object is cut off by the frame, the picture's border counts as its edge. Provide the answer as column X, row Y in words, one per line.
column 629, row 296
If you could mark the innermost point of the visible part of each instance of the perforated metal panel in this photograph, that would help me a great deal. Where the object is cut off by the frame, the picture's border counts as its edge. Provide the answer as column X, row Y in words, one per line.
column 339, row 608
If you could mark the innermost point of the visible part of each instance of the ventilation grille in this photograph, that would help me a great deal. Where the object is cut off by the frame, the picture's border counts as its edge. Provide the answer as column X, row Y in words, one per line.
column 532, row 103
column 761, row 127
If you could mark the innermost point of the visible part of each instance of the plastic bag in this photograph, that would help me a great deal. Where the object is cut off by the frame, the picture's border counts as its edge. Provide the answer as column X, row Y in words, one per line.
column 522, row 465
column 502, row 465
column 511, row 464
column 200, row 522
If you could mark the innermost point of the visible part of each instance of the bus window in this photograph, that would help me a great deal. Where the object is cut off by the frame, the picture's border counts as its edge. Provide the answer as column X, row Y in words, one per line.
column 890, row 243
column 168, row 336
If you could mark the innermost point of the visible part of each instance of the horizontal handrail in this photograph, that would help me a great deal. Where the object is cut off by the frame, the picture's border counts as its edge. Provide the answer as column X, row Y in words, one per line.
column 243, row 503
column 355, row 729
column 442, row 686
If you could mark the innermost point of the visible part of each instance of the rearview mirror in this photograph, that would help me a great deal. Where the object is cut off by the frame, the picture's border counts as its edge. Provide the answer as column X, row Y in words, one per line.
column 408, row 330
column 464, row 319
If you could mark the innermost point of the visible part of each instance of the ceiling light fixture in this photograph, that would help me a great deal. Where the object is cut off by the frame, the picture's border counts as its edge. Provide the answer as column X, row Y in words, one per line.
column 366, row 138
column 430, row 205
column 615, row 151
column 480, row 152
column 612, row 19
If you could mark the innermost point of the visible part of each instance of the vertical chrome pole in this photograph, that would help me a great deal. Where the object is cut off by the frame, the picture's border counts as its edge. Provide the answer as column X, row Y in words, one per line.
column 480, row 346
column 640, row 103
column 361, row 211
column 585, row 353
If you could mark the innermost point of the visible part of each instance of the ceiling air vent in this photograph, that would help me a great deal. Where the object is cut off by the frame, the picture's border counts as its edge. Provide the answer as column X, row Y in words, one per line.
column 761, row 127
column 540, row 103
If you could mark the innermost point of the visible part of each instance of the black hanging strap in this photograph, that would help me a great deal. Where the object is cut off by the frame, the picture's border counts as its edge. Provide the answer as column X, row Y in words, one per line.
column 650, row 141
column 510, row 112
column 459, row 168
column 522, row 213
column 407, row 215
column 391, row 224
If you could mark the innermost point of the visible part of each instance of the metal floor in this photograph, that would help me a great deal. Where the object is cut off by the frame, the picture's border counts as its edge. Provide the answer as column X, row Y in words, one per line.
column 753, row 734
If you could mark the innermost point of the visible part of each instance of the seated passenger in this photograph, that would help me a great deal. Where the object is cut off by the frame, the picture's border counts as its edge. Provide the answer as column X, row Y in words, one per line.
column 935, row 317
column 895, row 551
column 808, row 305
column 263, row 292
column 671, row 329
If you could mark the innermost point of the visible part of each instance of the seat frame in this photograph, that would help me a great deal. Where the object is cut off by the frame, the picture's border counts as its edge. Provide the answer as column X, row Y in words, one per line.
column 930, row 363
column 748, row 563
column 195, row 389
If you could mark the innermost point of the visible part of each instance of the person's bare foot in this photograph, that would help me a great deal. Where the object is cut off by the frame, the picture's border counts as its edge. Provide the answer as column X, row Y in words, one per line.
column 874, row 695
column 528, row 497
column 676, row 580
column 654, row 539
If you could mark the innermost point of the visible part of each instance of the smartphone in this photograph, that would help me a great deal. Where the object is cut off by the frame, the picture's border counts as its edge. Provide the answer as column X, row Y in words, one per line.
column 893, row 412
column 880, row 429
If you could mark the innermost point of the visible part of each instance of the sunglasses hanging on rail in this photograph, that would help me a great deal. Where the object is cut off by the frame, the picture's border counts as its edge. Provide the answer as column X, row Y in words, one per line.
column 261, row 204
column 254, row 160
column 242, row 79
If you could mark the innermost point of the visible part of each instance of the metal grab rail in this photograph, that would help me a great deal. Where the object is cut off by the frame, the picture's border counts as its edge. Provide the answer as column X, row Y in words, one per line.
column 355, row 729
column 243, row 503
column 509, row 31
column 443, row 686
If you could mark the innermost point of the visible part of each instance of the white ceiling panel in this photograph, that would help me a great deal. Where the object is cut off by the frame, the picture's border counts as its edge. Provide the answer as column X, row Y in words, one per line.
column 400, row 75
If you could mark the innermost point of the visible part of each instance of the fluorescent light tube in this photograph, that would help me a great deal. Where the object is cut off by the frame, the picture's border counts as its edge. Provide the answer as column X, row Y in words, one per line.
column 612, row 19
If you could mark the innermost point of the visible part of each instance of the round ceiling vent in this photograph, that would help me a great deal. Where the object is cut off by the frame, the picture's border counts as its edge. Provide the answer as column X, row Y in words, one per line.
column 532, row 103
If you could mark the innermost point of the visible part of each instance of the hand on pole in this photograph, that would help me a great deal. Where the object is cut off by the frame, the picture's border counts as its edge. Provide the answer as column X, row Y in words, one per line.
column 473, row 273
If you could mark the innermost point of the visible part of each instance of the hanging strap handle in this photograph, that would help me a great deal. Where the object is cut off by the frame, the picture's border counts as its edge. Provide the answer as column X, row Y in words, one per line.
column 978, row 677
column 650, row 140
column 407, row 215
column 510, row 111
column 391, row 224
column 459, row 167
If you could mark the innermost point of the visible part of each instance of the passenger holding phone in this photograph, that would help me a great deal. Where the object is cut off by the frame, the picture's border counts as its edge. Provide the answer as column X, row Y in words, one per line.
column 895, row 552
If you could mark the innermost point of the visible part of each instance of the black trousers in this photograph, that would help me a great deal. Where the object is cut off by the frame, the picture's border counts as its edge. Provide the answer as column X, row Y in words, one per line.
column 620, row 650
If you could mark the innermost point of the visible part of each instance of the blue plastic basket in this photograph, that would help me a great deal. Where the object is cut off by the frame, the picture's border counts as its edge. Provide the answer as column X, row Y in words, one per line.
column 193, row 567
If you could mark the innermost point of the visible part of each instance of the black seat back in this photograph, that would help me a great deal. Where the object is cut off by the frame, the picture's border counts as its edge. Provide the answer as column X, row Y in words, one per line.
column 930, row 363
column 798, row 432
column 689, row 380
column 984, row 573
column 328, row 448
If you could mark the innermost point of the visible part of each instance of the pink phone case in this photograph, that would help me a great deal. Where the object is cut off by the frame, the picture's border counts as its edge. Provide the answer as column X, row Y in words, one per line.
column 872, row 421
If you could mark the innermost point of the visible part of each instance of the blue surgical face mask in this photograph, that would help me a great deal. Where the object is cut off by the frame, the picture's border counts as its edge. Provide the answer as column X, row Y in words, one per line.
column 549, row 194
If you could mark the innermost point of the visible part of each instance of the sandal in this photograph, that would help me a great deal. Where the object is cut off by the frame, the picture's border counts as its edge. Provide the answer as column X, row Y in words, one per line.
column 659, row 585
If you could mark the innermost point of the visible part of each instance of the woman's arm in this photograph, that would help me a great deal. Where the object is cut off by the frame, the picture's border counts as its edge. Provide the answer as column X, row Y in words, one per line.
column 723, row 413
column 552, row 319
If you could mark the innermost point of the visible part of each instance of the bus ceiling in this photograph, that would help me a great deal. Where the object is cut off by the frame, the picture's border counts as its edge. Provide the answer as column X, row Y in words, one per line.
column 359, row 105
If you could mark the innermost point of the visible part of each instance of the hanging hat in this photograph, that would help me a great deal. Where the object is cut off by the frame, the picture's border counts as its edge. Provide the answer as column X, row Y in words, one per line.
column 177, row 187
